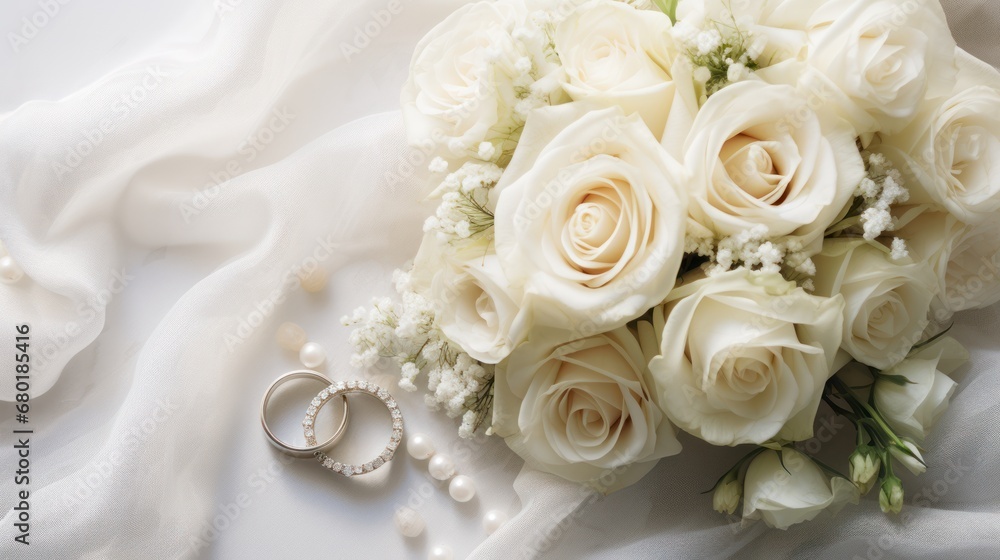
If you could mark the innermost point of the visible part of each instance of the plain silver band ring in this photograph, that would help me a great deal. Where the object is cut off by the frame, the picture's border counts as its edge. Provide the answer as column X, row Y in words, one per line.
column 286, row 448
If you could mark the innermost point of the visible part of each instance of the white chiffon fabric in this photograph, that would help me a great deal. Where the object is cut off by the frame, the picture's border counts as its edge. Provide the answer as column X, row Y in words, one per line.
column 161, row 214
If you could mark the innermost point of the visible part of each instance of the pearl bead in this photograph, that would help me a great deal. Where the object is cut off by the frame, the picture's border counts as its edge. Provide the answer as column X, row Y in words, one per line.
column 312, row 355
column 462, row 489
column 441, row 467
column 420, row 446
column 315, row 281
column 493, row 520
column 291, row 337
column 440, row 552
column 10, row 273
column 409, row 522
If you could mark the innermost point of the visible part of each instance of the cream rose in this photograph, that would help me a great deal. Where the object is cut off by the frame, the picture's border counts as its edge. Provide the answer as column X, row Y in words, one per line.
column 760, row 155
column 972, row 279
column 887, row 302
column 792, row 489
column 461, row 86
column 950, row 155
column 744, row 357
column 590, row 218
column 476, row 311
column 885, row 55
column 911, row 408
column 613, row 54
column 965, row 259
column 473, row 304
column 584, row 410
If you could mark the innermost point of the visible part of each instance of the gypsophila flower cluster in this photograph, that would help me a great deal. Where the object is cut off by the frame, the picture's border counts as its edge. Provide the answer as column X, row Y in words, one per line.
column 464, row 194
column 871, row 214
column 881, row 188
column 405, row 333
column 723, row 54
column 752, row 249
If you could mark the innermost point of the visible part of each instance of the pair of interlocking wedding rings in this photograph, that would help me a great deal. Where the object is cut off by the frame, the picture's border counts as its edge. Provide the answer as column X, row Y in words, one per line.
column 330, row 392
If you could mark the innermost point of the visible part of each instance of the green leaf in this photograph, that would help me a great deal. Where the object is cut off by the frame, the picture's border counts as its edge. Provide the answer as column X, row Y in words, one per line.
column 900, row 380
column 668, row 7
column 932, row 339
column 828, row 468
column 736, row 468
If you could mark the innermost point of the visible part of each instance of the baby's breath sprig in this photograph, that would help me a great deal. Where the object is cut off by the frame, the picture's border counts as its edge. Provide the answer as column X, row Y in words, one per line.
column 405, row 333
column 722, row 54
column 870, row 215
column 464, row 211
column 754, row 250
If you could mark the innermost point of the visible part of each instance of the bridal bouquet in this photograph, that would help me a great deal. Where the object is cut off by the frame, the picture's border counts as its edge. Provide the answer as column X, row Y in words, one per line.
column 701, row 216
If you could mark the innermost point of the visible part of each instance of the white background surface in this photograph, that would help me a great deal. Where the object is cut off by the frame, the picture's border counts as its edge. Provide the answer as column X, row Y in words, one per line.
column 196, row 464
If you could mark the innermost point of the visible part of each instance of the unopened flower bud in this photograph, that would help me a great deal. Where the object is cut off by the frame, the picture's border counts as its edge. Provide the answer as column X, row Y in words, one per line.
column 727, row 494
column 890, row 498
column 909, row 456
column 865, row 465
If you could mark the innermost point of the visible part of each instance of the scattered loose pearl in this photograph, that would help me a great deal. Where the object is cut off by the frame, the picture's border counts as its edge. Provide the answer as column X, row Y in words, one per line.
column 462, row 489
column 312, row 355
column 409, row 522
column 440, row 552
column 291, row 337
column 441, row 467
column 420, row 446
column 493, row 520
column 10, row 273
column 315, row 281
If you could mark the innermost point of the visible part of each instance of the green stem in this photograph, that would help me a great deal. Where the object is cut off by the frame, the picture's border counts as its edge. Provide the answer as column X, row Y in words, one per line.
column 870, row 411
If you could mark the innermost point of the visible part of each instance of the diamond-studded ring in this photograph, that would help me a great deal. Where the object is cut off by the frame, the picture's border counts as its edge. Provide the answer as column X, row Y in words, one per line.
column 313, row 446
column 342, row 388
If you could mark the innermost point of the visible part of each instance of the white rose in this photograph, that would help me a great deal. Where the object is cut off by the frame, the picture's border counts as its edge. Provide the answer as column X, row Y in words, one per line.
column 911, row 408
column 475, row 311
column 965, row 259
column 584, row 410
column 951, row 153
column 464, row 77
column 590, row 219
column 887, row 301
column 613, row 54
column 760, row 155
column 473, row 304
column 884, row 55
column 972, row 279
column 744, row 357
column 792, row 489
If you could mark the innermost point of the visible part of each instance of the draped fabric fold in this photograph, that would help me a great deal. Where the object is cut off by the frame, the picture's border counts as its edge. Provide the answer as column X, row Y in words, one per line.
column 162, row 215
